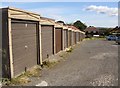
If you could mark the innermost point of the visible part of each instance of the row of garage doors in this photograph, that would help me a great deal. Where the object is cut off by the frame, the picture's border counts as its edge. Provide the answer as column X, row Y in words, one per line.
column 26, row 40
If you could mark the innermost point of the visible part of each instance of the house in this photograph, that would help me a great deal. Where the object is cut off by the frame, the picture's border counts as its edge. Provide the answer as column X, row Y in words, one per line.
column 115, row 30
column 91, row 31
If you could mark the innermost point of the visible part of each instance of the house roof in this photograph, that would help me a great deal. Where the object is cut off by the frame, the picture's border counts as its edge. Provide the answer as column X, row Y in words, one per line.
column 91, row 29
column 75, row 29
column 115, row 30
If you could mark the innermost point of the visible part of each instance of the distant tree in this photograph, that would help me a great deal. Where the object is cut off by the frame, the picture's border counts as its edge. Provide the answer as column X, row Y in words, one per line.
column 104, row 31
column 80, row 25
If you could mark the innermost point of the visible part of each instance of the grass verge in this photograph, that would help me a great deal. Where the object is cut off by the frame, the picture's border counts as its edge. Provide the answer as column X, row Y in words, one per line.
column 95, row 38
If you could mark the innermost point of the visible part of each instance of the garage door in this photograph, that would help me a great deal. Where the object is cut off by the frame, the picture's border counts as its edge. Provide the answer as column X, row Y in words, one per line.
column 24, row 45
column 79, row 36
column 75, row 37
column 58, row 39
column 70, row 38
column 65, row 38
column 47, row 41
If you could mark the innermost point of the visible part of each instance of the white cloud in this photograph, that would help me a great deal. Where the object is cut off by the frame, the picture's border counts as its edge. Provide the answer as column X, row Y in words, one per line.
column 103, row 9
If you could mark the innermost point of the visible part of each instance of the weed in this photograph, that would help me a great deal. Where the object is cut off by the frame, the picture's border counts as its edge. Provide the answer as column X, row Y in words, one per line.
column 69, row 50
column 48, row 63
column 23, row 79
column 5, row 81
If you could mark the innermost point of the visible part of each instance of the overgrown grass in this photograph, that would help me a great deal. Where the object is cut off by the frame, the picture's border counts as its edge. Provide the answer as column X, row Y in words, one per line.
column 49, row 64
column 64, row 55
column 24, row 77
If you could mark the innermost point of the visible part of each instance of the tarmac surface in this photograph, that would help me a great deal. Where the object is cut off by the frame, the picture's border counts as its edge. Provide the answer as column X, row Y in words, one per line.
column 91, row 63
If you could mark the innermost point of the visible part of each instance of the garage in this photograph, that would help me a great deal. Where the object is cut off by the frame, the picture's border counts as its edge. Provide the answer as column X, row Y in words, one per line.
column 47, row 40
column 21, row 45
column 24, row 45
column 47, row 37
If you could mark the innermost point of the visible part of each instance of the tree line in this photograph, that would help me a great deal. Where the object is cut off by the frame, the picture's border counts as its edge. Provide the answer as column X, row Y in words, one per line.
column 78, row 24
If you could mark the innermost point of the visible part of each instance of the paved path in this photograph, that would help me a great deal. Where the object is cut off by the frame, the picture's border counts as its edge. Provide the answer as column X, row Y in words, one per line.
column 92, row 63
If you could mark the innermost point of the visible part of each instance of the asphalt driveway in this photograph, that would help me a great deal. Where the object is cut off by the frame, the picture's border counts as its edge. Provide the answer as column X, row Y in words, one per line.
column 91, row 63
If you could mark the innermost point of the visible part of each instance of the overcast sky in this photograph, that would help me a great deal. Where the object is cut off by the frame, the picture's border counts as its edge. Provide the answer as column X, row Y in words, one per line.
column 102, row 14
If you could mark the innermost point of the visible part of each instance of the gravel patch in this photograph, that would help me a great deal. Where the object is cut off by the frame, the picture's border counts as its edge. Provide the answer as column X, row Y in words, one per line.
column 104, row 80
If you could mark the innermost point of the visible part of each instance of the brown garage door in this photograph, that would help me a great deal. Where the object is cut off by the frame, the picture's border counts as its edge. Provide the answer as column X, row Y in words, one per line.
column 79, row 36
column 24, row 45
column 75, row 37
column 58, row 39
column 70, row 38
column 65, row 38
column 47, row 40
